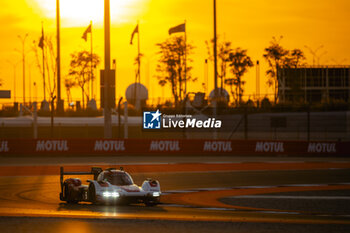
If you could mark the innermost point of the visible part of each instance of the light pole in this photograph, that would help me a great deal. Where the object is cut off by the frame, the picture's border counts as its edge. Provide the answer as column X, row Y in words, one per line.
column 215, row 54
column 148, row 72
column 319, row 57
column 114, row 67
column 314, row 52
column 23, row 39
column 257, row 82
column 58, row 61
column 337, row 62
column 205, row 76
column 30, row 82
column 14, row 65
column 107, row 111
column 35, row 92
column 215, row 70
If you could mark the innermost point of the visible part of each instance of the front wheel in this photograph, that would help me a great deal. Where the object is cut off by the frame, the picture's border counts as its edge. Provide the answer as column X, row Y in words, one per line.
column 152, row 202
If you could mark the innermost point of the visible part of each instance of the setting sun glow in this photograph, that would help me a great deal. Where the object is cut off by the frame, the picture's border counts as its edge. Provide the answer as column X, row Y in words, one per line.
column 77, row 12
column 250, row 25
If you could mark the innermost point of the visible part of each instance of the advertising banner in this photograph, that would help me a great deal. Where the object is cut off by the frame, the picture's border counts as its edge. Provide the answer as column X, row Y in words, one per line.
column 170, row 146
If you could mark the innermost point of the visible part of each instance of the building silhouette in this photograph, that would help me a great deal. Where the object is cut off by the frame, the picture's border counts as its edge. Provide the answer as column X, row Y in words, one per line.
column 314, row 84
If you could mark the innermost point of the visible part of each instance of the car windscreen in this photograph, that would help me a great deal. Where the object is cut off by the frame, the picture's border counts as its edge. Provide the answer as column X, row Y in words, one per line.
column 119, row 179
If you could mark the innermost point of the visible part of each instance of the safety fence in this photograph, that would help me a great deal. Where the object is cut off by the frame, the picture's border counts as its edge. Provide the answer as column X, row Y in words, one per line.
column 173, row 146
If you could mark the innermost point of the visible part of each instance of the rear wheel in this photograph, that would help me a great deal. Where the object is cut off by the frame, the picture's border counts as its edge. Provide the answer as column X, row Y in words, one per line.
column 92, row 193
column 67, row 195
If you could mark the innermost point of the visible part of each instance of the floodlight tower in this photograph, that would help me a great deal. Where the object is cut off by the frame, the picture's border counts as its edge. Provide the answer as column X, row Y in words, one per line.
column 58, row 61
column 107, row 73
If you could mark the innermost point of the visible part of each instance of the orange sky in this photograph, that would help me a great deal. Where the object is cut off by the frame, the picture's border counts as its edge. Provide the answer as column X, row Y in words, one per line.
column 248, row 24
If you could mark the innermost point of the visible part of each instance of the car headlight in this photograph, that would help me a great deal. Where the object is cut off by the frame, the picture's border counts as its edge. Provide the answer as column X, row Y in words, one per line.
column 111, row 194
column 156, row 194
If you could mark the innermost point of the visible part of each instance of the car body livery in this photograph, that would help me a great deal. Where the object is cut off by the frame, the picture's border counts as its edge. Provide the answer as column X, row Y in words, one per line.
column 110, row 186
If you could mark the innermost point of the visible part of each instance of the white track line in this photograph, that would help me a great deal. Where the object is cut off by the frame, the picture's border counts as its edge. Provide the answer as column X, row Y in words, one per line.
column 291, row 197
column 167, row 192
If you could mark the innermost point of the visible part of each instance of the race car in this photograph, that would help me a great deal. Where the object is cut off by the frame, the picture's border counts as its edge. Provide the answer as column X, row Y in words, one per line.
column 110, row 186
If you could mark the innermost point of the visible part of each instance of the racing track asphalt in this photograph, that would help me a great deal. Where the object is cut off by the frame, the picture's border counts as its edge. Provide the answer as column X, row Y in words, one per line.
column 199, row 197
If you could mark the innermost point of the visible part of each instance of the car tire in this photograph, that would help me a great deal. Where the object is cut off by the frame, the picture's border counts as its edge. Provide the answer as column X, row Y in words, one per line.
column 92, row 193
column 150, row 203
column 67, row 195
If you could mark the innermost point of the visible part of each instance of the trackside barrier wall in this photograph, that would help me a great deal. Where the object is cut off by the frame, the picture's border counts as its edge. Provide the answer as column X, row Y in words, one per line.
column 154, row 146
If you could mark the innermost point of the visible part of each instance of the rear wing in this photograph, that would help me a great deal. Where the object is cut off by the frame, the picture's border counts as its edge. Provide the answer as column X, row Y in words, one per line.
column 94, row 171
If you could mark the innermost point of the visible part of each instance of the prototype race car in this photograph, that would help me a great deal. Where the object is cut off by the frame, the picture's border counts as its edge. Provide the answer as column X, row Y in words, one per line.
column 110, row 186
